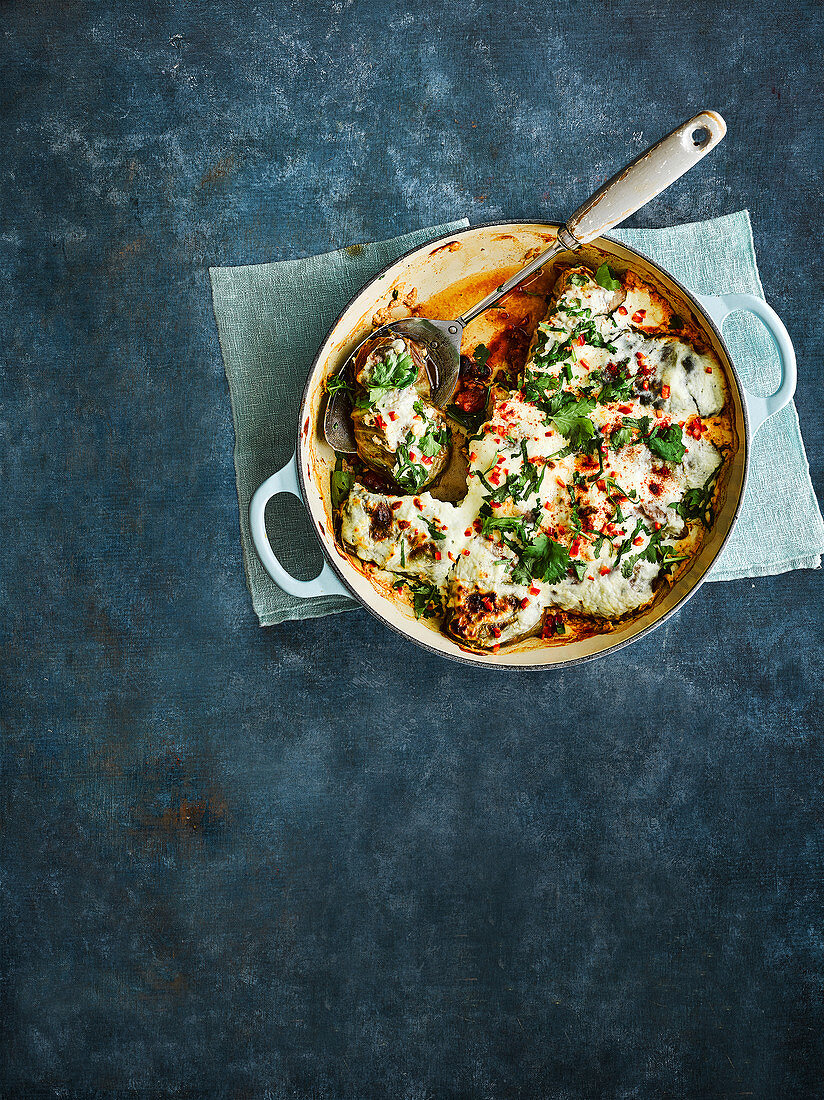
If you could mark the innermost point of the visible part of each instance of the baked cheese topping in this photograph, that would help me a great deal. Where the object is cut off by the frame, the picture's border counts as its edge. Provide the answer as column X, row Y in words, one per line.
column 586, row 486
column 397, row 428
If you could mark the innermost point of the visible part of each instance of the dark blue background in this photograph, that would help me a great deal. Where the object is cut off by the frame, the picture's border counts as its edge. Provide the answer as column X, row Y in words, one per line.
column 315, row 861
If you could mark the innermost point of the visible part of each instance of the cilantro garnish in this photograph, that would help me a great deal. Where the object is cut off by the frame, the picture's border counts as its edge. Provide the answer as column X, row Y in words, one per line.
column 570, row 415
column 599, row 542
column 426, row 598
column 392, row 372
column 546, row 356
column 542, row 559
column 434, row 440
column 578, row 567
column 627, row 543
column 620, row 437
column 338, row 382
column 605, row 278
column 574, row 516
column 696, row 504
column 643, row 423
column 470, row 422
column 613, row 486
column 655, row 551
column 408, row 474
column 667, row 443
column 588, row 329
column 537, row 386
column 518, row 486
column 341, row 482
column 481, row 354
column 506, row 523
column 593, row 448
column 616, row 389
column 614, row 493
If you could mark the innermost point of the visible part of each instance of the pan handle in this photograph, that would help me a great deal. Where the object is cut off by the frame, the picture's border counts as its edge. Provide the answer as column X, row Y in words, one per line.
column 326, row 583
column 719, row 308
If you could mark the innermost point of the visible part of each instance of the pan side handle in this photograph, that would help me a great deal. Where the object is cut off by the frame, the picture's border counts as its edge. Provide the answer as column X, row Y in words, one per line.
column 326, row 583
column 760, row 408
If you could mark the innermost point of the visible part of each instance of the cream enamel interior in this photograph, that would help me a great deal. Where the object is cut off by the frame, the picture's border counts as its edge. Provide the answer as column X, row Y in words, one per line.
column 430, row 270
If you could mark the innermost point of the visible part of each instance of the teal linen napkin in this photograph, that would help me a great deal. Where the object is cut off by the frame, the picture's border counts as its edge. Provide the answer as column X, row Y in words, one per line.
column 779, row 527
column 271, row 319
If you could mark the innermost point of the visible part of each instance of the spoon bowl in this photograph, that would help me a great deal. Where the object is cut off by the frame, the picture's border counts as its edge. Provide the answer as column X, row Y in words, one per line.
column 441, row 342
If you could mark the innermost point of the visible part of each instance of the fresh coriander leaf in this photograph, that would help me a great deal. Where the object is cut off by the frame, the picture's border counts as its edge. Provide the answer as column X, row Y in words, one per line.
column 696, row 504
column 470, row 422
column 588, row 329
column 614, row 487
column 341, row 483
column 481, row 354
column 669, row 560
column 668, row 444
column 616, row 389
column 482, row 478
column 337, row 383
column 544, row 559
column 655, row 551
column 426, row 599
column 643, row 423
column 571, row 419
column 627, row 543
column 434, row 440
column 392, row 372
column 579, row 567
column 582, row 431
column 537, row 386
column 605, row 278
column 620, row 437
column 599, row 542
column 410, row 475
column 506, row 523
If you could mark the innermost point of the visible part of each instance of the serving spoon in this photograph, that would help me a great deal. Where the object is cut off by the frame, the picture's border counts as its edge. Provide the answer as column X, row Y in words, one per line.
column 627, row 191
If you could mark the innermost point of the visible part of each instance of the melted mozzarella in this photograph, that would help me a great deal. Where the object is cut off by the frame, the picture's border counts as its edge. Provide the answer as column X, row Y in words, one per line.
column 395, row 414
column 606, row 596
column 610, row 510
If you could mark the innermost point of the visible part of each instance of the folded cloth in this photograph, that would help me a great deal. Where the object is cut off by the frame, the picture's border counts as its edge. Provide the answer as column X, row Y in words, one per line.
column 779, row 526
column 272, row 318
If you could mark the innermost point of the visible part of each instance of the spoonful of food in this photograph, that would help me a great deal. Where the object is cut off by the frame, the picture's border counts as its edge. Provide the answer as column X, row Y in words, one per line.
column 437, row 344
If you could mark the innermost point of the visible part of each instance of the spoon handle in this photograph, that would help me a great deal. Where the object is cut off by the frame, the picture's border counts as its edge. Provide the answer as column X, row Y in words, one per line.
column 519, row 276
column 627, row 191
column 647, row 176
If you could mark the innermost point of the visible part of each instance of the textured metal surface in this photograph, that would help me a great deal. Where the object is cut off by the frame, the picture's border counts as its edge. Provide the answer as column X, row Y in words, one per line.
column 312, row 860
